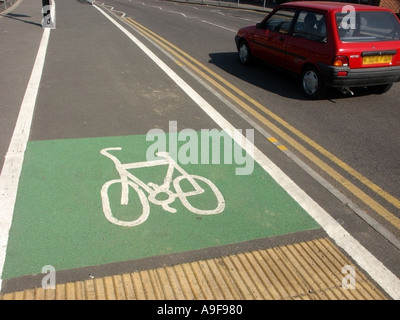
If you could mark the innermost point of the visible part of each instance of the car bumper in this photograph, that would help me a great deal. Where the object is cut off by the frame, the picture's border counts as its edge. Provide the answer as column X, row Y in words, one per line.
column 359, row 77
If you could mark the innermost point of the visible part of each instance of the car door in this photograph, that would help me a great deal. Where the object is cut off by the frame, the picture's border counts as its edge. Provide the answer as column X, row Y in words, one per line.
column 308, row 42
column 270, row 37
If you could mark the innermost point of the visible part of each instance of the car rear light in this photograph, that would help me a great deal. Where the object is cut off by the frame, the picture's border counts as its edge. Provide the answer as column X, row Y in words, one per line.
column 342, row 73
column 341, row 61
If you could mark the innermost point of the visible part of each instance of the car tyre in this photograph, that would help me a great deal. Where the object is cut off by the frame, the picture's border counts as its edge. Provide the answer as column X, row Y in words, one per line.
column 380, row 89
column 311, row 84
column 244, row 52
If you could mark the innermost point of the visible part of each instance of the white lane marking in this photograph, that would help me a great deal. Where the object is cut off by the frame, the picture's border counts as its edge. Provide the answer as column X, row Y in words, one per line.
column 219, row 26
column 9, row 177
column 188, row 17
column 346, row 201
column 368, row 262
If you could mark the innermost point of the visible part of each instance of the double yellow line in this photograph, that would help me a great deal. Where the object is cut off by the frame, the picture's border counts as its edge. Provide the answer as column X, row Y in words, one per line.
column 260, row 112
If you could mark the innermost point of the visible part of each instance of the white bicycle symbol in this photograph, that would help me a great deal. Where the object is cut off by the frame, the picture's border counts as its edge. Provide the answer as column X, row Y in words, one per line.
column 127, row 179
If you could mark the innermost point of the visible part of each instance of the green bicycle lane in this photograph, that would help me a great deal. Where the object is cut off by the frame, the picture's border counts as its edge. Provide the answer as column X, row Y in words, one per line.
column 60, row 217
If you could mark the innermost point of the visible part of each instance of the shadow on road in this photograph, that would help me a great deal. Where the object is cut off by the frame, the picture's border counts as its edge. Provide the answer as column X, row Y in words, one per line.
column 258, row 74
column 84, row 2
column 19, row 17
column 270, row 79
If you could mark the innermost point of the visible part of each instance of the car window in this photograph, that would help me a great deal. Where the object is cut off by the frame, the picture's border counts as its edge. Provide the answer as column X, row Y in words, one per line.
column 368, row 26
column 280, row 21
column 311, row 26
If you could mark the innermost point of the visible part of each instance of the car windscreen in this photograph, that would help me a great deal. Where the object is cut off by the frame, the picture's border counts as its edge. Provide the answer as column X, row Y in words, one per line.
column 366, row 26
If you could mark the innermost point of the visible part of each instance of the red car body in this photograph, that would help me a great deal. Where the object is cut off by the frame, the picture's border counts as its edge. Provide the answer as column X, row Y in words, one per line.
column 348, row 45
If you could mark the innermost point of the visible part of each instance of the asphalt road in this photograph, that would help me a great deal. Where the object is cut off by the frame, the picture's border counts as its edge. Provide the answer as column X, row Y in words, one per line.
column 362, row 131
column 356, row 136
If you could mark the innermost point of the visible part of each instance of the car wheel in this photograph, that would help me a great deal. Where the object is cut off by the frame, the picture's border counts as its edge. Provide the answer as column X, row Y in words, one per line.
column 312, row 84
column 244, row 53
column 382, row 88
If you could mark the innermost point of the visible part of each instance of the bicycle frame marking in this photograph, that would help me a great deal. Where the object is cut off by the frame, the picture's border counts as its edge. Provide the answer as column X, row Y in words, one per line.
column 127, row 179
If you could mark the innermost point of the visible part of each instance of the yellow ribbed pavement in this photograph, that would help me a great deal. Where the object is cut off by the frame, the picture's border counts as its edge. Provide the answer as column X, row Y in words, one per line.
column 305, row 270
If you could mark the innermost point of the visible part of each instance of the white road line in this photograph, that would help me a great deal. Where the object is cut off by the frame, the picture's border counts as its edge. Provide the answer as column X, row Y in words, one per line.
column 9, row 177
column 346, row 201
column 368, row 262
column 196, row 18
column 219, row 26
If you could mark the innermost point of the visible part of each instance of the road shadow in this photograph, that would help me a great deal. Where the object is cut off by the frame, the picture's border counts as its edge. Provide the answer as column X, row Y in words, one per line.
column 257, row 74
column 84, row 2
column 19, row 17
column 270, row 79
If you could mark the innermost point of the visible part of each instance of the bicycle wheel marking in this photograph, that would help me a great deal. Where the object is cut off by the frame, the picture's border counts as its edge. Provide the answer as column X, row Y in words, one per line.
column 59, row 218
column 107, row 208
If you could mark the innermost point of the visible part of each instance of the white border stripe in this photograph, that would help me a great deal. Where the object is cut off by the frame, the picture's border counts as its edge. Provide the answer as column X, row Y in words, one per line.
column 9, row 177
column 375, row 268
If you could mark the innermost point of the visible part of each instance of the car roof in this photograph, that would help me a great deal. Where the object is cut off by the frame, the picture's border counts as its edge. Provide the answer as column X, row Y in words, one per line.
column 330, row 5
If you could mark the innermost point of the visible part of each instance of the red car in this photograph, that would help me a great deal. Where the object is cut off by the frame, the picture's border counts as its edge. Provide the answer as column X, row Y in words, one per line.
column 327, row 45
